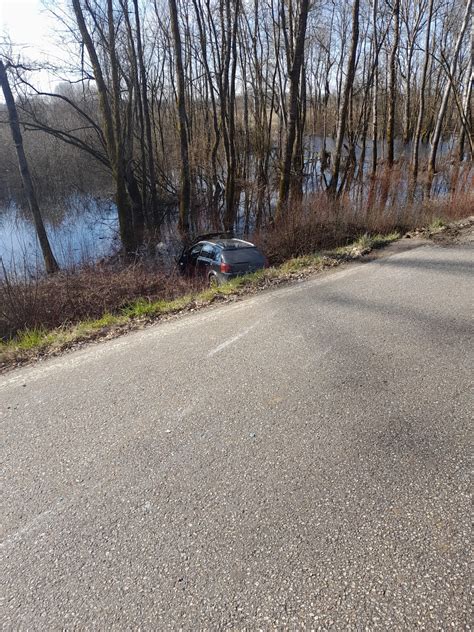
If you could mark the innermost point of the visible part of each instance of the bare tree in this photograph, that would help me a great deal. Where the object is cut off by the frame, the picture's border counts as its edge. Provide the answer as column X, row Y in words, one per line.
column 421, row 107
column 375, row 93
column 185, row 192
column 295, row 64
column 203, row 113
column 350, row 74
column 412, row 14
column 109, row 101
column 444, row 101
column 392, row 92
column 466, row 113
column 50, row 262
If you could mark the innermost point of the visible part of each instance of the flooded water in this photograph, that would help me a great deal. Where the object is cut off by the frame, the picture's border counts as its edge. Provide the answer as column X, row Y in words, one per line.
column 403, row 152
column 83, row 229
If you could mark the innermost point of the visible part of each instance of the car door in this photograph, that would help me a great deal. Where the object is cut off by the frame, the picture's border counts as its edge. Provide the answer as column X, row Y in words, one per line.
column 205, row 259
column 192, row 261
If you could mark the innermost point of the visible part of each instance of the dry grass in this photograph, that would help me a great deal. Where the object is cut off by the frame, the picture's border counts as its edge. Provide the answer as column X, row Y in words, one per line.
column 71, row 297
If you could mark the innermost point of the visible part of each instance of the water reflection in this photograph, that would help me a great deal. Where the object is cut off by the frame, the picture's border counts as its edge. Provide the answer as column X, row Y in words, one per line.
column 81, row 230
column 85, row 228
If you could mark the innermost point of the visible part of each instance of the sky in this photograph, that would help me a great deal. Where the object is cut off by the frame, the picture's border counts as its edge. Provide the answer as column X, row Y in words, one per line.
column 32, row 29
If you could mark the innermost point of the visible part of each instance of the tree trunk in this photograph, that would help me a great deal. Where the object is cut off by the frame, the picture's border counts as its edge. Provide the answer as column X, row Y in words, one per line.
column 231, row 196
column 50, row 262
column 296, row 188
column 111, row 123
column 375, row 92
column 407, row 109
column 135, row 220
column 185, row 193
column 392, row 85
column 421, row 111
column 138, row 195
column 216, row 188
column 147, row 120
column 294, row 75
column 444, row 102
column 341, row 128
column 466, row 106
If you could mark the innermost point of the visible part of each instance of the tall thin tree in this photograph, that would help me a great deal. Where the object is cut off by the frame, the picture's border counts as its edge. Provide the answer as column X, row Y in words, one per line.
column 346, row 95
column 50, row 262
column 185, row 188
column 392, row 88
column 444, row 101
column 110, row 109
column 295, row 65
column 421, row 107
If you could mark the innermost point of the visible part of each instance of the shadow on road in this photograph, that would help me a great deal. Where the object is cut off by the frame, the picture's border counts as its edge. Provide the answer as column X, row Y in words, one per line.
column 445, row 265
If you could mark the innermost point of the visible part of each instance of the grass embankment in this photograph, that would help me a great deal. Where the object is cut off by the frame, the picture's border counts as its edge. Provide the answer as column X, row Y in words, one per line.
column 36, row 342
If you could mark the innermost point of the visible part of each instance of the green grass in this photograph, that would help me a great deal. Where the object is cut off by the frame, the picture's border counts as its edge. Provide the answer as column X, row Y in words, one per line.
column 365, row 243
column 38, row 339
column 437, row 223
column 300, row 263
column 32, row 339
column 107, row 320
column 378, row 241
column 142, row 308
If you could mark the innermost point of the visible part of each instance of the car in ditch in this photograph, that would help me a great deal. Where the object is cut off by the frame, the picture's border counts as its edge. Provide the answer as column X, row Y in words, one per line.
column 219, row 257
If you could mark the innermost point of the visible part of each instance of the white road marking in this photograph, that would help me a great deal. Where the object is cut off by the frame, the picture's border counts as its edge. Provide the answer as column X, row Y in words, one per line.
column 92, row 352
column 230, row 341
column 33, row 524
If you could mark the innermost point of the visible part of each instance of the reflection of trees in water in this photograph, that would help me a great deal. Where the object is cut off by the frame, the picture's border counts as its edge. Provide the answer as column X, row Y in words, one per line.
column 81, row 230
column 83, row 226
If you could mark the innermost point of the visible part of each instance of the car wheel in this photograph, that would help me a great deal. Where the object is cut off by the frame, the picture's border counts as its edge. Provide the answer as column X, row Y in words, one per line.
column 213, row 280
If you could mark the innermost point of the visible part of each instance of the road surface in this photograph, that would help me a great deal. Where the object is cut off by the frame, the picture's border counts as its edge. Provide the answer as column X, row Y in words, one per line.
column 296, row 460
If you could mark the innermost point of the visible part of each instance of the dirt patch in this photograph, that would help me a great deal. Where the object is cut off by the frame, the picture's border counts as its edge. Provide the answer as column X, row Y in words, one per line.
column 459, row 232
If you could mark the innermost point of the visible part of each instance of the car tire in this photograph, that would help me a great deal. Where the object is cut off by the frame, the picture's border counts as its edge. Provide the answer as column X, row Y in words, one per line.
column 213, row 280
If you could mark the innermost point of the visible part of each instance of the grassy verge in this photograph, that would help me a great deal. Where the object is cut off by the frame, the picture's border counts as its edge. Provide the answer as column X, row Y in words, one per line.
column 33, row 343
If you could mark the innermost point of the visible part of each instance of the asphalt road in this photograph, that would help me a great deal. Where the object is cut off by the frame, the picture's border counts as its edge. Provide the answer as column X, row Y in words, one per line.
column 296, row 460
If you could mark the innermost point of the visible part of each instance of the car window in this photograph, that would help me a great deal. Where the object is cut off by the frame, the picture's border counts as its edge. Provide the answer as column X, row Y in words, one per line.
column 207, row 251
column 243, row 255
column 194, row 252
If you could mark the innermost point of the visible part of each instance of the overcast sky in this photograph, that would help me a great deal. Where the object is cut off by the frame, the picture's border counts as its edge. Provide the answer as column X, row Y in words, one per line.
column 31, row 29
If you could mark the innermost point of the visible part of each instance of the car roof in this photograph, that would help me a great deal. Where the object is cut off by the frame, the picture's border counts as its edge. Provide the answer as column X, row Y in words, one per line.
column 229, row 244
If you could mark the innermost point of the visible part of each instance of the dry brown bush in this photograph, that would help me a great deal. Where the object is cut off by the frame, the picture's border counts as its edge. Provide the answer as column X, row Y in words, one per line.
column 69, row 297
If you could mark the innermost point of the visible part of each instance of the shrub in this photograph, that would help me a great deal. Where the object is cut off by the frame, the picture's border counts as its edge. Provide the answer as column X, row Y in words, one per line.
column 70, row 297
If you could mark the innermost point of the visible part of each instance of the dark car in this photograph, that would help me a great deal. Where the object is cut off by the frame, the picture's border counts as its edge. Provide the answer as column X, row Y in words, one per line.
column 218, row 258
